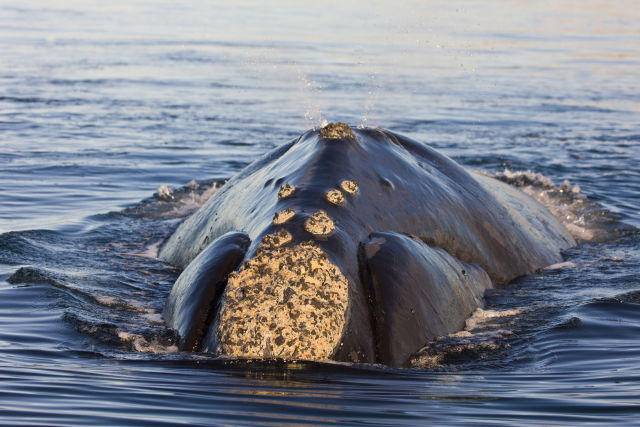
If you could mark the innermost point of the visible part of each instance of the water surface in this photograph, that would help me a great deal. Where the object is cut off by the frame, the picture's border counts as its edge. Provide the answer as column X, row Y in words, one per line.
column 100, row 104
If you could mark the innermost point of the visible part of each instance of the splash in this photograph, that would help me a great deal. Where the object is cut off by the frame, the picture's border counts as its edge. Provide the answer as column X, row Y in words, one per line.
column 165, row 192
column 309, row 93
column 141, row 344
column 585, row 219
column 267, row 63
column 561, row 266
column 170, row 203
column 373, row 93
column 481, row 317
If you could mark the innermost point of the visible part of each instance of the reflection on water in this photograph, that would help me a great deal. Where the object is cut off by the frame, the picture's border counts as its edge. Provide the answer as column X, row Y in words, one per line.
column 101, row 105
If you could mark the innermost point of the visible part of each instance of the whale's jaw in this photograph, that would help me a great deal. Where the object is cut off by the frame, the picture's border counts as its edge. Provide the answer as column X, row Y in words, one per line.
column 285, row 302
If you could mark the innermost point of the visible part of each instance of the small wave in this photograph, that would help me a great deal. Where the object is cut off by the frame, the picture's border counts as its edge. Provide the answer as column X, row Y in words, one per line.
column 119, row 303
column 481, row 317
column 122, row 336
column 483, row 337
column 631, row 297
column 596, row 333
column 585, row 219
column 452, row 350
column 561, row 266
column 74, row 284
column 31, row 246
column 105, row 293
column 32, row 275
column 572, row 322
column 141, row 344
column 170, row 203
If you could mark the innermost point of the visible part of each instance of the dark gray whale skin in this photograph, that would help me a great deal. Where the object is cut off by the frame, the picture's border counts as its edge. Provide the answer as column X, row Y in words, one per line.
column 419, row 242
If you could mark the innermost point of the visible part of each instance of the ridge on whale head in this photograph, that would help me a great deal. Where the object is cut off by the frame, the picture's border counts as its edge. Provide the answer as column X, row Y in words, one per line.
column 349, row 244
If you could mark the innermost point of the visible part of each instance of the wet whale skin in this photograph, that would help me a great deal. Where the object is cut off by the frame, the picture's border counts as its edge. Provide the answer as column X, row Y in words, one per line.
column 432, row 218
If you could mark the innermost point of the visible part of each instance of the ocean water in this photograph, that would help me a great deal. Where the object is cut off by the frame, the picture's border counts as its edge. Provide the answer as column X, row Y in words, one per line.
column 102, row 104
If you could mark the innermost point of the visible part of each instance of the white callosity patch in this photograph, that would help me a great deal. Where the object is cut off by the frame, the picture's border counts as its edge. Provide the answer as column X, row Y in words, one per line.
column 337, row 130
column 319, row 224
column 287, row 302
column 283, row 216
column 349, row 186
column 285, row 191
column 334, row 197
column 276, row 240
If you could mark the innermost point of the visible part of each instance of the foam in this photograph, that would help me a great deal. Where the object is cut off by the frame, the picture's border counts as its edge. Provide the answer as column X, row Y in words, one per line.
column 482, row 335
column 480, row 317
column 561, row 266
column 112, row 302
column 141, row 344
column 168, row 203
column 165, row 192
column 585, row 219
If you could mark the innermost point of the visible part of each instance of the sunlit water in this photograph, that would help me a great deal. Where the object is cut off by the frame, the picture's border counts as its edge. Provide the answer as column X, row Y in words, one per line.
column 102, row 104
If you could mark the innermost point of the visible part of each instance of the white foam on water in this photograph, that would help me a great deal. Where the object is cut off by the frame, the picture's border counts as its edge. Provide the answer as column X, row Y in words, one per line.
column 561, row 266
column 165, row 192
column 585, row 219
column 461, row 334
column 170, row 203
column 105, row 300
column 481, row 317
column 130, row 305
column 151, row 251
column 308, row 90
column 141, row 344
column 153, row 316
column 188, row 203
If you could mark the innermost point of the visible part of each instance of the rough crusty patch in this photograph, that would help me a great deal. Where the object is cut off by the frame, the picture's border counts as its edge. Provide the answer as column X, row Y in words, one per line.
column 319, row 224
column 283, row 216
column 288, row 302
column 337, row 131
column 334, row 197
column 275, row 240
column 349, row 186
column 285, row 191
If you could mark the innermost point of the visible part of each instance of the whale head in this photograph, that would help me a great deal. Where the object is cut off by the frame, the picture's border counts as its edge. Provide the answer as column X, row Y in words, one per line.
column 290, row 294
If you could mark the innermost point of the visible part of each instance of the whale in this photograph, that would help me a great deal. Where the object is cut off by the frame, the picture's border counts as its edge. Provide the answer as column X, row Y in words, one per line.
column 349, row 244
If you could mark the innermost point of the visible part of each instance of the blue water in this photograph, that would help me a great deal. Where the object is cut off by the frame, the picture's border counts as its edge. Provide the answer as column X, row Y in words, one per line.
column 100, row 104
